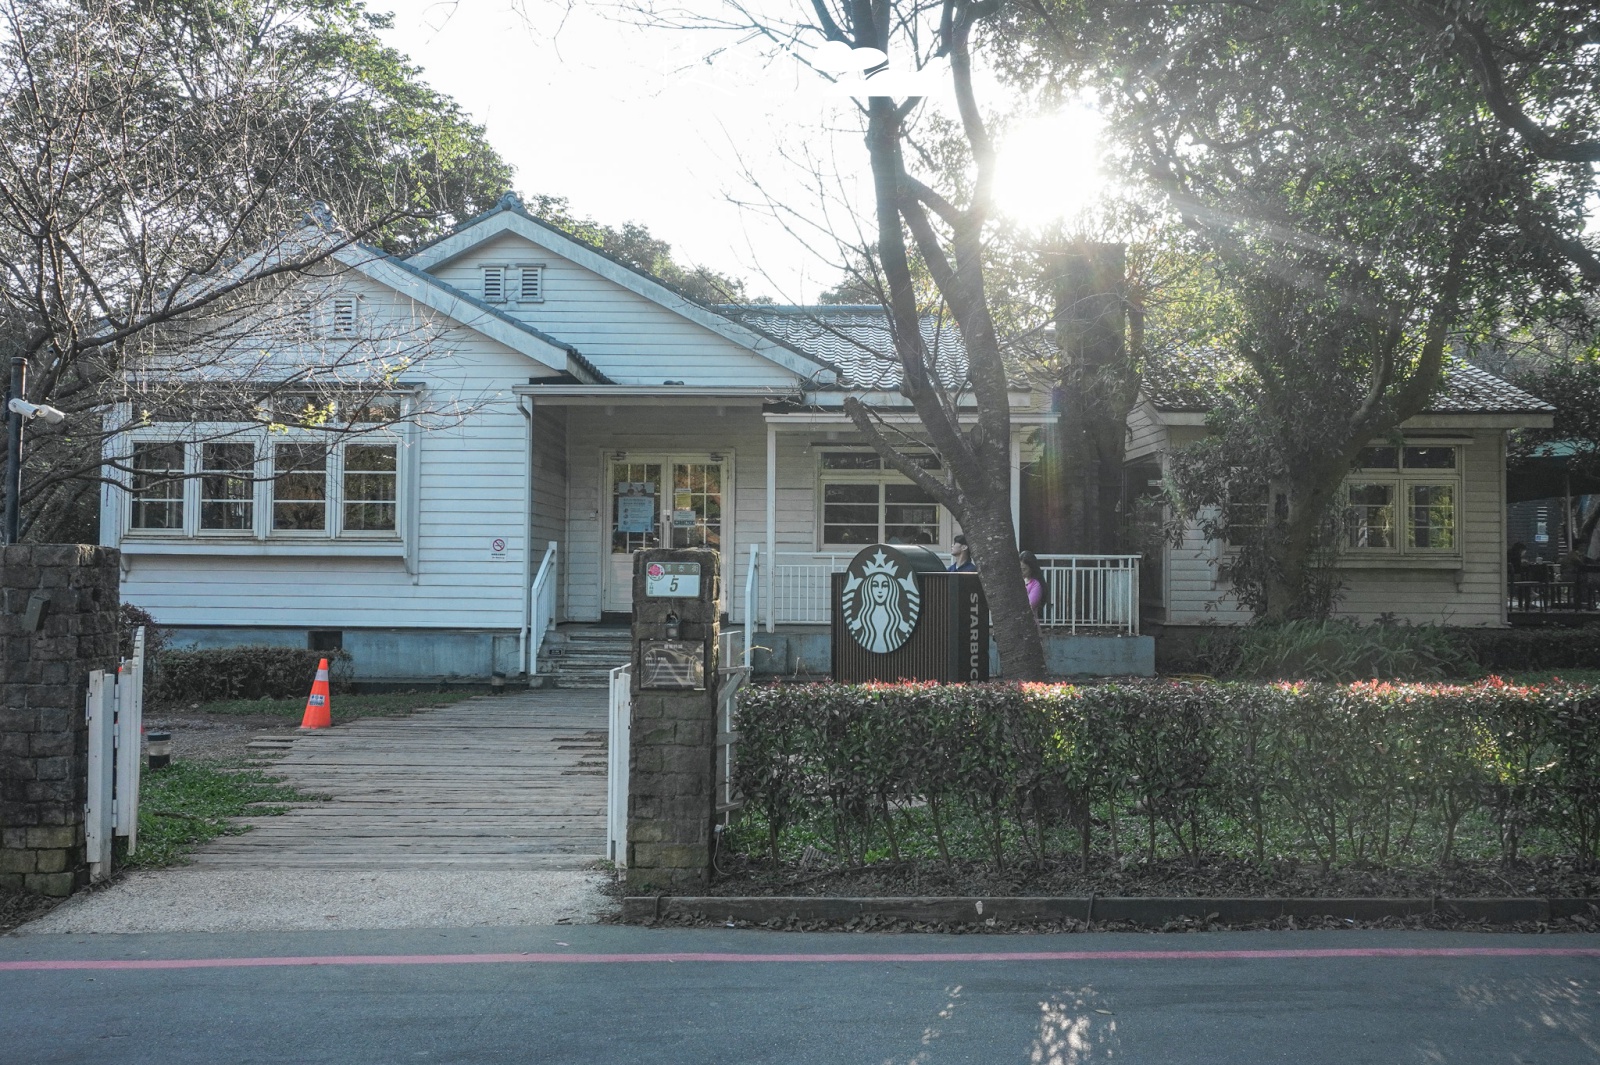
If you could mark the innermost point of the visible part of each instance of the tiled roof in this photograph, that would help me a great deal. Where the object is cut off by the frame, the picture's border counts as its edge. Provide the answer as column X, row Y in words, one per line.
column 1190, row 383
column 856, row 340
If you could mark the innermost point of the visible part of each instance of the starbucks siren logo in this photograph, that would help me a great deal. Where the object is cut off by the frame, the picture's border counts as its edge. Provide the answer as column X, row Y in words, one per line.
column 881, row 602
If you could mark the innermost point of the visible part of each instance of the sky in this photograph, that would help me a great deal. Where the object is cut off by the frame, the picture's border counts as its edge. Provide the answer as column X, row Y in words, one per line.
column 630, row 124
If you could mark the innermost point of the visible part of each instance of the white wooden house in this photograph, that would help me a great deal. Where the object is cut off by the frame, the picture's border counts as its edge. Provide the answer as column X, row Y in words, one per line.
column 1424, row 536
column 595, row 412
column 571, row 410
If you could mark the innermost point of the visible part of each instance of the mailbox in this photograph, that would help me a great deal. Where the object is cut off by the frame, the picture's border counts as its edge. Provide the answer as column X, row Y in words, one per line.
column 898, row 615
column 675, row 606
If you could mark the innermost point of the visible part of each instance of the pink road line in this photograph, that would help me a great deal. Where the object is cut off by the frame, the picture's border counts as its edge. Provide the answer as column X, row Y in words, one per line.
column 919, row 959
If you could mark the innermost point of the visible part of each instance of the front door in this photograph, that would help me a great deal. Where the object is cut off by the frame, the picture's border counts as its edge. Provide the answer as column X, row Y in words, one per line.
column 660, row 501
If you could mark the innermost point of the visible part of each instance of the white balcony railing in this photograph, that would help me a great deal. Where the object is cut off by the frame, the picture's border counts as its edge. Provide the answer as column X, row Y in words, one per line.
column 1096, row 593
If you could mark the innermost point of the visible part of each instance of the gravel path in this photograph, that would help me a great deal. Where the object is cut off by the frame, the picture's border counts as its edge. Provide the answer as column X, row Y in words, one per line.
column 208, row 900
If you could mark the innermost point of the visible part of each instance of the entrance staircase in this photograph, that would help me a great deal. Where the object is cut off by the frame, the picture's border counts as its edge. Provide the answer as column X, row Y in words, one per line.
column 583, row 656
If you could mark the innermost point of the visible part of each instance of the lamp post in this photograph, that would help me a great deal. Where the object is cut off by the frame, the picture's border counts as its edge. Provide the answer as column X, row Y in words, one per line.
column 19, row 370
column 19, row 410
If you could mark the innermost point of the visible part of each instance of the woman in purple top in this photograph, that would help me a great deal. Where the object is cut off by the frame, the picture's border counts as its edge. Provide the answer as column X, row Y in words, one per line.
column 1033, row 580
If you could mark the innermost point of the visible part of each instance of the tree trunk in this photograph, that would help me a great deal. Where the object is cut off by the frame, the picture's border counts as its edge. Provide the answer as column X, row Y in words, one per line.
column 1097, row 389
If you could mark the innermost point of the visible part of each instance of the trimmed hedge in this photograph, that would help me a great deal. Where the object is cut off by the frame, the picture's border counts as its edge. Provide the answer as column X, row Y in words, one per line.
column 199, row 676
column 1358, row 774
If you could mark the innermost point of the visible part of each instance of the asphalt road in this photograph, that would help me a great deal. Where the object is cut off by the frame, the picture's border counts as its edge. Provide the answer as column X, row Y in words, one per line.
column 629, row 995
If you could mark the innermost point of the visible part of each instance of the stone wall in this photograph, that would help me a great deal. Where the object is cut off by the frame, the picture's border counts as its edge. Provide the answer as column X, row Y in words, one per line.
column 44, row 676
column 672, row 752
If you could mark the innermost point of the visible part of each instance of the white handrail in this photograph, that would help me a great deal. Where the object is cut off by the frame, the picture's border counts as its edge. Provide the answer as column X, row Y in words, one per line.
column 544, row 603
column 1097, row 592
column 750, row 591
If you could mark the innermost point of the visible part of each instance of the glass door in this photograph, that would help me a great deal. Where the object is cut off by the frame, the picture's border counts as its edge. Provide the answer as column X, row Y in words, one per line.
column 696, row 518
column 647, row 511
column 636, row 492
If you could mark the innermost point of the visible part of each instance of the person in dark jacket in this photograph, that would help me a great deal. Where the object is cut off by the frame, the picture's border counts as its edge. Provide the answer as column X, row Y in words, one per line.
column 961, row 556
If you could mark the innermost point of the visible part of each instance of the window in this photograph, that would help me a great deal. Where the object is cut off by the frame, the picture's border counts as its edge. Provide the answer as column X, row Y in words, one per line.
column 259, row 485
column 157, row 486
column 227, row 487
column 299, row 488
column 1402, row 500
column 531, row 287
column 494, row 284
column 370, row 474
column 863, row 502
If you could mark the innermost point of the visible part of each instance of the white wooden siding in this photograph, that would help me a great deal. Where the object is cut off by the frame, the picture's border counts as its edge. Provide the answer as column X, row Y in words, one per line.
column 631, row 339
column 471, row 478
column 1473, row 595
column 1145, row 434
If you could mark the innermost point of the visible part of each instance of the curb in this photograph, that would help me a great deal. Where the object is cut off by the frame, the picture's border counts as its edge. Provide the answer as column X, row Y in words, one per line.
column 1144, row 911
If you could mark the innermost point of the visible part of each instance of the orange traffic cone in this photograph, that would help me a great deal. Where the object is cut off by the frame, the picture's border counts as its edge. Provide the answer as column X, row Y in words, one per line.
column 318, row 708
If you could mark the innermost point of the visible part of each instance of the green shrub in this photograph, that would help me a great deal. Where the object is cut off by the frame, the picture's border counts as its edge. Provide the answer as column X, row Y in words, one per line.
column 197, row 676
column 1532, row 649
column 1343, row 651
column 1343, row 774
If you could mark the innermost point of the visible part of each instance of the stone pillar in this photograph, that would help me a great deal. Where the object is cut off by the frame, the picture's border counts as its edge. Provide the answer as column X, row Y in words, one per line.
column 672, row 755
column 58, row 621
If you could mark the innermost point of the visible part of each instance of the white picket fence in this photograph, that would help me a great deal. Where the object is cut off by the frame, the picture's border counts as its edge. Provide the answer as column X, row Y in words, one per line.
column 115, row 711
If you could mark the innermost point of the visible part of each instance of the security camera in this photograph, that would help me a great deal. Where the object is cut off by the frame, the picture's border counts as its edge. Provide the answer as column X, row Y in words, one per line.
column 36, row 410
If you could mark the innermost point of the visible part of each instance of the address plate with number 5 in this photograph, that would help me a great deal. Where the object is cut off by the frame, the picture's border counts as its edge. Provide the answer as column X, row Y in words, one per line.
column 673, row 580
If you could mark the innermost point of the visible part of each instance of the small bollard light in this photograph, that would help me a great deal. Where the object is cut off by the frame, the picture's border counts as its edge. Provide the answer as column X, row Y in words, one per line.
column 673, row 626
column 159, row 746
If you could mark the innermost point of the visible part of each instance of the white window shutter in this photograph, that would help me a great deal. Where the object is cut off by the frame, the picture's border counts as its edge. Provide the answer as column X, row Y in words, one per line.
column 494, row 284
column 531, row 289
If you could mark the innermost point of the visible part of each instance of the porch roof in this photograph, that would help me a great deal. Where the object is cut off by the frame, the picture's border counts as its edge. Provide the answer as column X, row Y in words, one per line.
column 582, row 395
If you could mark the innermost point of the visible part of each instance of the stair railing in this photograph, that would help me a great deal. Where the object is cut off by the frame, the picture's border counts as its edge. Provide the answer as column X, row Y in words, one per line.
column 544, row 602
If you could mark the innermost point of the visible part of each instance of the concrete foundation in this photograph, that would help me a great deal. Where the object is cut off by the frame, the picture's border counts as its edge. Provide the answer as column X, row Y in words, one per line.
column 385, row 654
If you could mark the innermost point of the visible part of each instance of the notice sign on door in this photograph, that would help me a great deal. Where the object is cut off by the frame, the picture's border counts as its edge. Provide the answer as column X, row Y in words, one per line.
column 672, row 580
column 636, row 514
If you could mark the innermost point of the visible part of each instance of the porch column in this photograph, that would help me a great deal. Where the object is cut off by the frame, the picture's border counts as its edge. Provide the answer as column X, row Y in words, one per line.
column 1016, row 486
column 772, row 517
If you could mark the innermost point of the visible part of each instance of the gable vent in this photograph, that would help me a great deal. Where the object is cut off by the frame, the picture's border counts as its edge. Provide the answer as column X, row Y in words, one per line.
column 342, row 316
column 532, row 287
column 494, row 284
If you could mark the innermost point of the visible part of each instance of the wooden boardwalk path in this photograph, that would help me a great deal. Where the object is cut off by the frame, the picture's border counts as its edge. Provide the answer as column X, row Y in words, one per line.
column 514, row 781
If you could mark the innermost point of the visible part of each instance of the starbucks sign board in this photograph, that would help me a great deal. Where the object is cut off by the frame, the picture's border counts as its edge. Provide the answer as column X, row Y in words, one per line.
column 898, row 615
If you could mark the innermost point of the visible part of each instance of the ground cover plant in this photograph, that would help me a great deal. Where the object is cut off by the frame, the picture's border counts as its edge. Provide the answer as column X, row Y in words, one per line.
column 191, row 803
column 1156, row 786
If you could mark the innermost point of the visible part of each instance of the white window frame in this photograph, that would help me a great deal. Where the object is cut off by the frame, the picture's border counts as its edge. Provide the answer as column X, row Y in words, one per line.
column 885, row 475
column 1402, row 480
column 265, row 444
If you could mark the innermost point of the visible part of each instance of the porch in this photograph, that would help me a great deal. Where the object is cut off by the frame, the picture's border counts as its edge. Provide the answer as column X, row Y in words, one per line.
column 788, row 493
